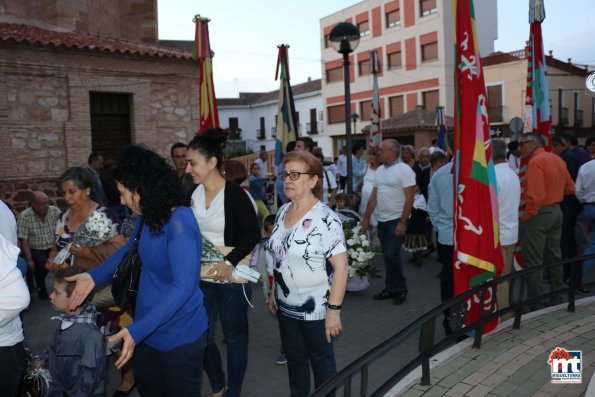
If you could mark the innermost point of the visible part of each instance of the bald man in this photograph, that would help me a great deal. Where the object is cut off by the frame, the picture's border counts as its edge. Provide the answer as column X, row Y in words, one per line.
column 36, row 229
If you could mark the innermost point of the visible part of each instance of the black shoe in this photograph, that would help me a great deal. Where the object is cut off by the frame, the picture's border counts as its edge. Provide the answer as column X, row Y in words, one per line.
column 582, row 290
column 400, row 297
column 384, row 295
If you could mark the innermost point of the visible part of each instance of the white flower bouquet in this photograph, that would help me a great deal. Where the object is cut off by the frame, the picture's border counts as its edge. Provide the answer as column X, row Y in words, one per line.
column 359, row 251
column 95, row 231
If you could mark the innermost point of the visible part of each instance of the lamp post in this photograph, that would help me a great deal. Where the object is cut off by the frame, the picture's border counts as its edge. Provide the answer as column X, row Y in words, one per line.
column 344, row 39
column 354, row 117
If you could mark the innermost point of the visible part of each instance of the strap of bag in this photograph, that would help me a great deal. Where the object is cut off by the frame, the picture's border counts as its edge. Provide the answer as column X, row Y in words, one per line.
column 138, row 232
column 328, row 182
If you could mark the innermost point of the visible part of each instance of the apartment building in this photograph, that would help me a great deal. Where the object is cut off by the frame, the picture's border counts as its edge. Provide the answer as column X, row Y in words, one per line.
column 572, row 106
column 252, row 117
column 415, row 43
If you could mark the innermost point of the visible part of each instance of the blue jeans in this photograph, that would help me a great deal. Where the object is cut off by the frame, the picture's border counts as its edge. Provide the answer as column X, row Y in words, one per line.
column 589, row 211
column 227, row 302
column 391, row 250
column 169, row 373
column 305, row 345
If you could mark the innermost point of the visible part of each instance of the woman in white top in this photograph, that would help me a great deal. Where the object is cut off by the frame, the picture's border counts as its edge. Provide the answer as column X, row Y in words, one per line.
column 14, row 297
column 227, row 218
column 310, row 272
column 367, row 188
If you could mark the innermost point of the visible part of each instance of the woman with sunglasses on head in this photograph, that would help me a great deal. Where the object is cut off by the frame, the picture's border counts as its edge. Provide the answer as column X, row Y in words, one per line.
column 227, row 218
column 310, row 272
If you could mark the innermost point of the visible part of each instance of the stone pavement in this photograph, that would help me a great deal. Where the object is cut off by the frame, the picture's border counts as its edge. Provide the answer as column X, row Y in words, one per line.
column 367, row 323
column 513, row 362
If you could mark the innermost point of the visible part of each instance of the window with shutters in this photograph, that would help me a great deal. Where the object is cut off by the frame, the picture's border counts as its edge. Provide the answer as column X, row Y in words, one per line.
column 429, row 52
column 365, row 110
column 431, row 100
column 364, row 67
column 336, row 114
column 393, row 18
column 394, row 60
column 495, row 108
column 333, row 75
column 396, row 105
column 427, row 7
column 364, row 28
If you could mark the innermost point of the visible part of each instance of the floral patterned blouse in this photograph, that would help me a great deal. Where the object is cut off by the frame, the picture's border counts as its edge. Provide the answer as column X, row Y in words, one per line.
column 101, row 226
column 302, row 273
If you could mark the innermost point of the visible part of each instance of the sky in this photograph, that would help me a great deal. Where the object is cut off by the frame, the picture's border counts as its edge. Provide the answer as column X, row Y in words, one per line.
column 245, row 34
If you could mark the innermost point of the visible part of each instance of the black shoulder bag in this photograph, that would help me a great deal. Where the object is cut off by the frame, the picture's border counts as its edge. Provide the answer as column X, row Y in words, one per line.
column 127, row 276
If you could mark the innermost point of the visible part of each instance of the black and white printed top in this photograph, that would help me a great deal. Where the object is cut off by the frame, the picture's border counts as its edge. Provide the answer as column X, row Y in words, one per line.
column 302, row 273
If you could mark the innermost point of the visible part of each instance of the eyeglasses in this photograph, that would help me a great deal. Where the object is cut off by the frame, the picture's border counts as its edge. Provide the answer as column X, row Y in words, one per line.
column 293, row 175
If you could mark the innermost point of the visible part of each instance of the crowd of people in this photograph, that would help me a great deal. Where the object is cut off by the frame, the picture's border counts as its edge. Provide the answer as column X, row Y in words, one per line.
column 172, row 211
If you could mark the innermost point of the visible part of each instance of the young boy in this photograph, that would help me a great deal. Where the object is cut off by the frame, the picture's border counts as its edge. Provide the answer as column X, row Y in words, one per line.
column 76, row 355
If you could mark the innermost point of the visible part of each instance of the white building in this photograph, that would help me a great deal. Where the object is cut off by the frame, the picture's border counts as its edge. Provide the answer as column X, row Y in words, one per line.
column 415, row 43
column 254, row 116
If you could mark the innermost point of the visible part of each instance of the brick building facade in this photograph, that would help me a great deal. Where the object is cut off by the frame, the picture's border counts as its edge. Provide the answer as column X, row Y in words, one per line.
column 71, row 89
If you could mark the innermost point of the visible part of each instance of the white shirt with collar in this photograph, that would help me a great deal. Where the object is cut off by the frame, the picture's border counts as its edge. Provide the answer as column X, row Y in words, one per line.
column 390, row 183
column 509, row 198
column 585, row 183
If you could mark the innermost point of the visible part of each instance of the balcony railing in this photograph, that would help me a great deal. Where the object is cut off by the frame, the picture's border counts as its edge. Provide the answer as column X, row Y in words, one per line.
column 563, row 116
column 274, row 132
column 311, row 131
column 578, row 118
column 496, row 114
column 261, row 134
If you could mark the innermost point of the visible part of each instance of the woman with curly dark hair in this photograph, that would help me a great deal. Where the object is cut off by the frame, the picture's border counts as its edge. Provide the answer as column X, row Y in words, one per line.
column 228, row 219
column 170, row 319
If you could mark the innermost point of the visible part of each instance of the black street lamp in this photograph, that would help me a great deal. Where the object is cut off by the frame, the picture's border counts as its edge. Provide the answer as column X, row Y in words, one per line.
column 344, row 39
column 354, row 117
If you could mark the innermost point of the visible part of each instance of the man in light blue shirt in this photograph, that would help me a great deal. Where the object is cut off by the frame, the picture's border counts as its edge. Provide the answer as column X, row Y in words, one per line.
column 440, row 210
column 358, row 168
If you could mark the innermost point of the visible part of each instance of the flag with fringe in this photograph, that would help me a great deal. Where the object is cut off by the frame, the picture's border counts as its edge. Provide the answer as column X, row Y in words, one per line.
column 209, row 114
column 375, row 131
column 477, row 252
column 285, row 130
column 538, row 118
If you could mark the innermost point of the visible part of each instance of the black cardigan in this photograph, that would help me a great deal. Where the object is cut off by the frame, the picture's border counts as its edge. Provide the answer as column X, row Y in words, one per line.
column 241, row 224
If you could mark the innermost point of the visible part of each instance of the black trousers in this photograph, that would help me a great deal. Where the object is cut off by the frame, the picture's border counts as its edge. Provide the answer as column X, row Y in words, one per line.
column 40, row 257
column 571, row 209
column 12, row 365
column 445, row 253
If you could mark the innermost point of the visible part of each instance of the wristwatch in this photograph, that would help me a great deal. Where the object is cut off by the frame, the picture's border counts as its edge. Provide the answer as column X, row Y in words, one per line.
column 333, row 307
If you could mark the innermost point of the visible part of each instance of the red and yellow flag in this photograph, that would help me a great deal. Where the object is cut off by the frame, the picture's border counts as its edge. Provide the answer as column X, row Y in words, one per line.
column 477, row 252
column 209, row 115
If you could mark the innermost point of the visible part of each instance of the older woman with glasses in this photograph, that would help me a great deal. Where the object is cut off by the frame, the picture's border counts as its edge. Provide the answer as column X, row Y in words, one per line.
column 310, row 272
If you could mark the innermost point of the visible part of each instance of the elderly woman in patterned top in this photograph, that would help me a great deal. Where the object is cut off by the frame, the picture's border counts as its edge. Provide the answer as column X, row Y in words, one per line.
column 310, row 272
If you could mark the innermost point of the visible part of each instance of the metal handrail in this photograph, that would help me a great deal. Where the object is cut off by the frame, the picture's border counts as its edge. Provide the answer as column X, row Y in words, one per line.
column 425, row 325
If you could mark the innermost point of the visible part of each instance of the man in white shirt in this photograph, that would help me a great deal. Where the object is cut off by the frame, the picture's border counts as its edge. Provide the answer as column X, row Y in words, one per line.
column 585, row 192
column 262, row 162
column 509, row 198
column 392, row 197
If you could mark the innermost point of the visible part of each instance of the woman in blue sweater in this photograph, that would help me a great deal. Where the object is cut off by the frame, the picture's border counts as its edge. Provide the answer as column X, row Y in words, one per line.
column 168, row 335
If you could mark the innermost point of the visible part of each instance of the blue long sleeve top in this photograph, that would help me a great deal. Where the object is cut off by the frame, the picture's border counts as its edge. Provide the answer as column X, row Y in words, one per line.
column 169, row 305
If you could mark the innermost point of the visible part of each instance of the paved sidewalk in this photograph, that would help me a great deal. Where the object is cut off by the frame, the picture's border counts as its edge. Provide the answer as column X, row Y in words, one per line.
column 513, row 362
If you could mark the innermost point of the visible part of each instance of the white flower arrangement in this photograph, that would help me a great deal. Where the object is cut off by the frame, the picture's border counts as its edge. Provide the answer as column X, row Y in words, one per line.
column 359, row 252
column 96, row 230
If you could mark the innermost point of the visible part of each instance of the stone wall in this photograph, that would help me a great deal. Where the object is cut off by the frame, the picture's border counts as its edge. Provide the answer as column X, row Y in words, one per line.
column 134, row 20
column 45, row 122
column 18, row 193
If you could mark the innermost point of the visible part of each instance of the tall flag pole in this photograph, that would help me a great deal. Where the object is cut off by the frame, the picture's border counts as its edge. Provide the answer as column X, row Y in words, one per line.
column 441, row 123
column 477, row 252
column 538, row 118
column 209, row 114
column 375, row 131
column 286, row 117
